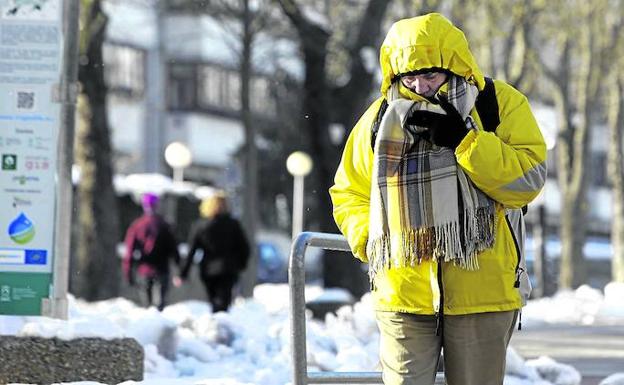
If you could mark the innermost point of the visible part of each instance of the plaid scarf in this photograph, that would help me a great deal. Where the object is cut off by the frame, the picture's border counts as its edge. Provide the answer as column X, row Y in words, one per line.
column 423, row 206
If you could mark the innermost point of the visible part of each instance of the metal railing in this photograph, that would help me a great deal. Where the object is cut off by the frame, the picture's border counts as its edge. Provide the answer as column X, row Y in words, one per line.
column 296, row 283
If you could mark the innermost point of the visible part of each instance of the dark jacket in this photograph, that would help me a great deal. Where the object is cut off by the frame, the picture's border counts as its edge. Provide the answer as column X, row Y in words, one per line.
column 150, row 244
column 223, row 243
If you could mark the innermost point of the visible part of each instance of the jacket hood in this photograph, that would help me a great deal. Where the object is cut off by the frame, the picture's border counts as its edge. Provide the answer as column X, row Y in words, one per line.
column 426, row 42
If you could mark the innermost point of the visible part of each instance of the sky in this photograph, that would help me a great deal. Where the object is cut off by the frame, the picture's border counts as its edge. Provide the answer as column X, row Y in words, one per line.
column 250, row 344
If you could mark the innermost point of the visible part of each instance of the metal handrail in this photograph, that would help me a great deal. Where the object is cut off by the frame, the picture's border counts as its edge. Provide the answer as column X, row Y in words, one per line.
column 296, row 284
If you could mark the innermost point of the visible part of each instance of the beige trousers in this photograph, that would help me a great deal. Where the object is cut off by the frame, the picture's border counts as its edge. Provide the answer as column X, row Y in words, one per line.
column 474, row 347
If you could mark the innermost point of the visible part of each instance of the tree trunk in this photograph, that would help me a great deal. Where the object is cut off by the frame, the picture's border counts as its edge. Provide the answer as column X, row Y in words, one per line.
column 615, row 166
column 572, row 153
column 348, row 102
column 250, row 216
column 97, row 268
column 590, row 49
column 616, row 176
column 573, row 146
column 339, row 270
column 314, row 116
column 572, row 271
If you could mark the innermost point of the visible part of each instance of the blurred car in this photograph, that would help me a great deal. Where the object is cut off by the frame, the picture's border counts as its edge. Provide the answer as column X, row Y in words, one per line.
column 272, row 266
column 273, row 254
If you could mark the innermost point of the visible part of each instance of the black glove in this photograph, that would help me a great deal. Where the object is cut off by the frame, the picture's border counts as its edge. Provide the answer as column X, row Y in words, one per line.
column 444, row 130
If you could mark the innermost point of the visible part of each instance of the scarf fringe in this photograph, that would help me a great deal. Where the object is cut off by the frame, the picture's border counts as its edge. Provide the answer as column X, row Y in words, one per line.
column 479, row 229
column 438, row 243
column 409, row 224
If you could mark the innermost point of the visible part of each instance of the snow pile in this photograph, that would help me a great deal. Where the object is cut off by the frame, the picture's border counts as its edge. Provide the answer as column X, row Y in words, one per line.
column 188, row 344
column 554, row 372
column 584, row 306
column 541, row 371
column 614, row 379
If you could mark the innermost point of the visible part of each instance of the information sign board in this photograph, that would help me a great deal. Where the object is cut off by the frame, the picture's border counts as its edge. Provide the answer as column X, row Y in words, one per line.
column 31, row 48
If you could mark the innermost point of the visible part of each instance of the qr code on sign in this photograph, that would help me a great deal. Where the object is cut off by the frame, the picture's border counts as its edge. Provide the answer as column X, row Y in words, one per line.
column 25, row 100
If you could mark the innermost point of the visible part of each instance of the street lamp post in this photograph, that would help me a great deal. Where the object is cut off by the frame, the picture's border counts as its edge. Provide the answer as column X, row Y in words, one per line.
column 299, row 164
column 178, row 156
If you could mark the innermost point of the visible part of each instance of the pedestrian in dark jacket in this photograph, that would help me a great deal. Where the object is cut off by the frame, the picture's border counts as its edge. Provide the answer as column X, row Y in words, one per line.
column 224, row 250
column 150, row 245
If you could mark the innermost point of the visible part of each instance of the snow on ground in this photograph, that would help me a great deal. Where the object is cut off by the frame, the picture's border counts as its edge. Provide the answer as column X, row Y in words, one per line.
column 188, row 345
column 584, row 306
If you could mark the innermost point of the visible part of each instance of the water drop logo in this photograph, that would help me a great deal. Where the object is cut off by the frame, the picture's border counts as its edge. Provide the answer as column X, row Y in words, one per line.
column 9, row 162
column 21, row 230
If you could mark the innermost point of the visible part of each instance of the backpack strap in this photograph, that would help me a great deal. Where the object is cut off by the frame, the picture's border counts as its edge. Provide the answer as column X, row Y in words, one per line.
column 487, row 106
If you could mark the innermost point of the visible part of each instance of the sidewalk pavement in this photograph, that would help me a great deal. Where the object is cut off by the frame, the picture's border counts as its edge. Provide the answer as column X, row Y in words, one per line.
column 596, row 351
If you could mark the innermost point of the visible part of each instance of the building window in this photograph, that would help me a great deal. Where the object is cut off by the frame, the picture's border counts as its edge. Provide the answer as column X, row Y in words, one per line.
column 208, row 93
column 124, row 69
column 232, row 99
column 211, row 87
column 219, row 88
column 182, row 86
column 262, row 100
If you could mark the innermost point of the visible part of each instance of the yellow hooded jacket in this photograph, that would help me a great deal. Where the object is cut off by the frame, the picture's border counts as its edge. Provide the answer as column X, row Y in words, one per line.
column 509, row 165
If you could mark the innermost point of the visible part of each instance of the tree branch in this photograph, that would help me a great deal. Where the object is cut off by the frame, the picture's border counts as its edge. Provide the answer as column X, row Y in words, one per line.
column 370, row 26
column 527, row 32
column 292, row 11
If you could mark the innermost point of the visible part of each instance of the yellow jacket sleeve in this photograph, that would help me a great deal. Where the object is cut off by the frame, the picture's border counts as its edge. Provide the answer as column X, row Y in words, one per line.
column 509, row 165
column 350, row 193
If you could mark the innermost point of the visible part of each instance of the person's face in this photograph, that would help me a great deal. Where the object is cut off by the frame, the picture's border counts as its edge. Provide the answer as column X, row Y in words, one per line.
column 426, row 84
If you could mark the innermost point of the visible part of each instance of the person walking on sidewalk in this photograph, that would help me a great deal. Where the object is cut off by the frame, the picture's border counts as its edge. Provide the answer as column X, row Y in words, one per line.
column 150, row 246
column 220, row 239
column 428, row 193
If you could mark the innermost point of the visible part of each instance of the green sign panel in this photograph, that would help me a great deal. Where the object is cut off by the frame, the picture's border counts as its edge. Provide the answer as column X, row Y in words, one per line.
column 21, row 293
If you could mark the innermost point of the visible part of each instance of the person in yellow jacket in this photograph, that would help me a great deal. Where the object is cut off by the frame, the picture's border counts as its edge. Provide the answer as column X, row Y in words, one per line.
column 433, row 206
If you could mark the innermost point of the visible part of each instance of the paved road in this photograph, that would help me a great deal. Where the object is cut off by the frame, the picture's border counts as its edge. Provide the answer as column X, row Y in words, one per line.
column 595, row 351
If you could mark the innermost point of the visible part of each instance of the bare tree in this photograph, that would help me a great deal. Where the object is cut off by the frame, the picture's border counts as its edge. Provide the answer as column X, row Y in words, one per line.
column 500, row 40
column 575, row 77
column 511, row 60
column 96, row 272
column 348, row 100
column 616, row 174
column 323, row 103
column 615, row 167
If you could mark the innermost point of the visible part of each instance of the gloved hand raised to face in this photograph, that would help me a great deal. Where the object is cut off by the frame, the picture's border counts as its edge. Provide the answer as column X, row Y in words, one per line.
column 443, row 130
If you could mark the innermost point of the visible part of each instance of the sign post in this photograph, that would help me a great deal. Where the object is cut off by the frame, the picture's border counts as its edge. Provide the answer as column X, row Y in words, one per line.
column 38, row 90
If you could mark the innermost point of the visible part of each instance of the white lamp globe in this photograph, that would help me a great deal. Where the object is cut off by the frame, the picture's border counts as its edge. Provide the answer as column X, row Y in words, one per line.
column 299, row 163
column 178, row 155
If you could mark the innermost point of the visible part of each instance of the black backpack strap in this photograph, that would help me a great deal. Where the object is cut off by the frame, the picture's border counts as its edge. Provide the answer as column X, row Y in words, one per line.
column 487, row 106
column 377, row 122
